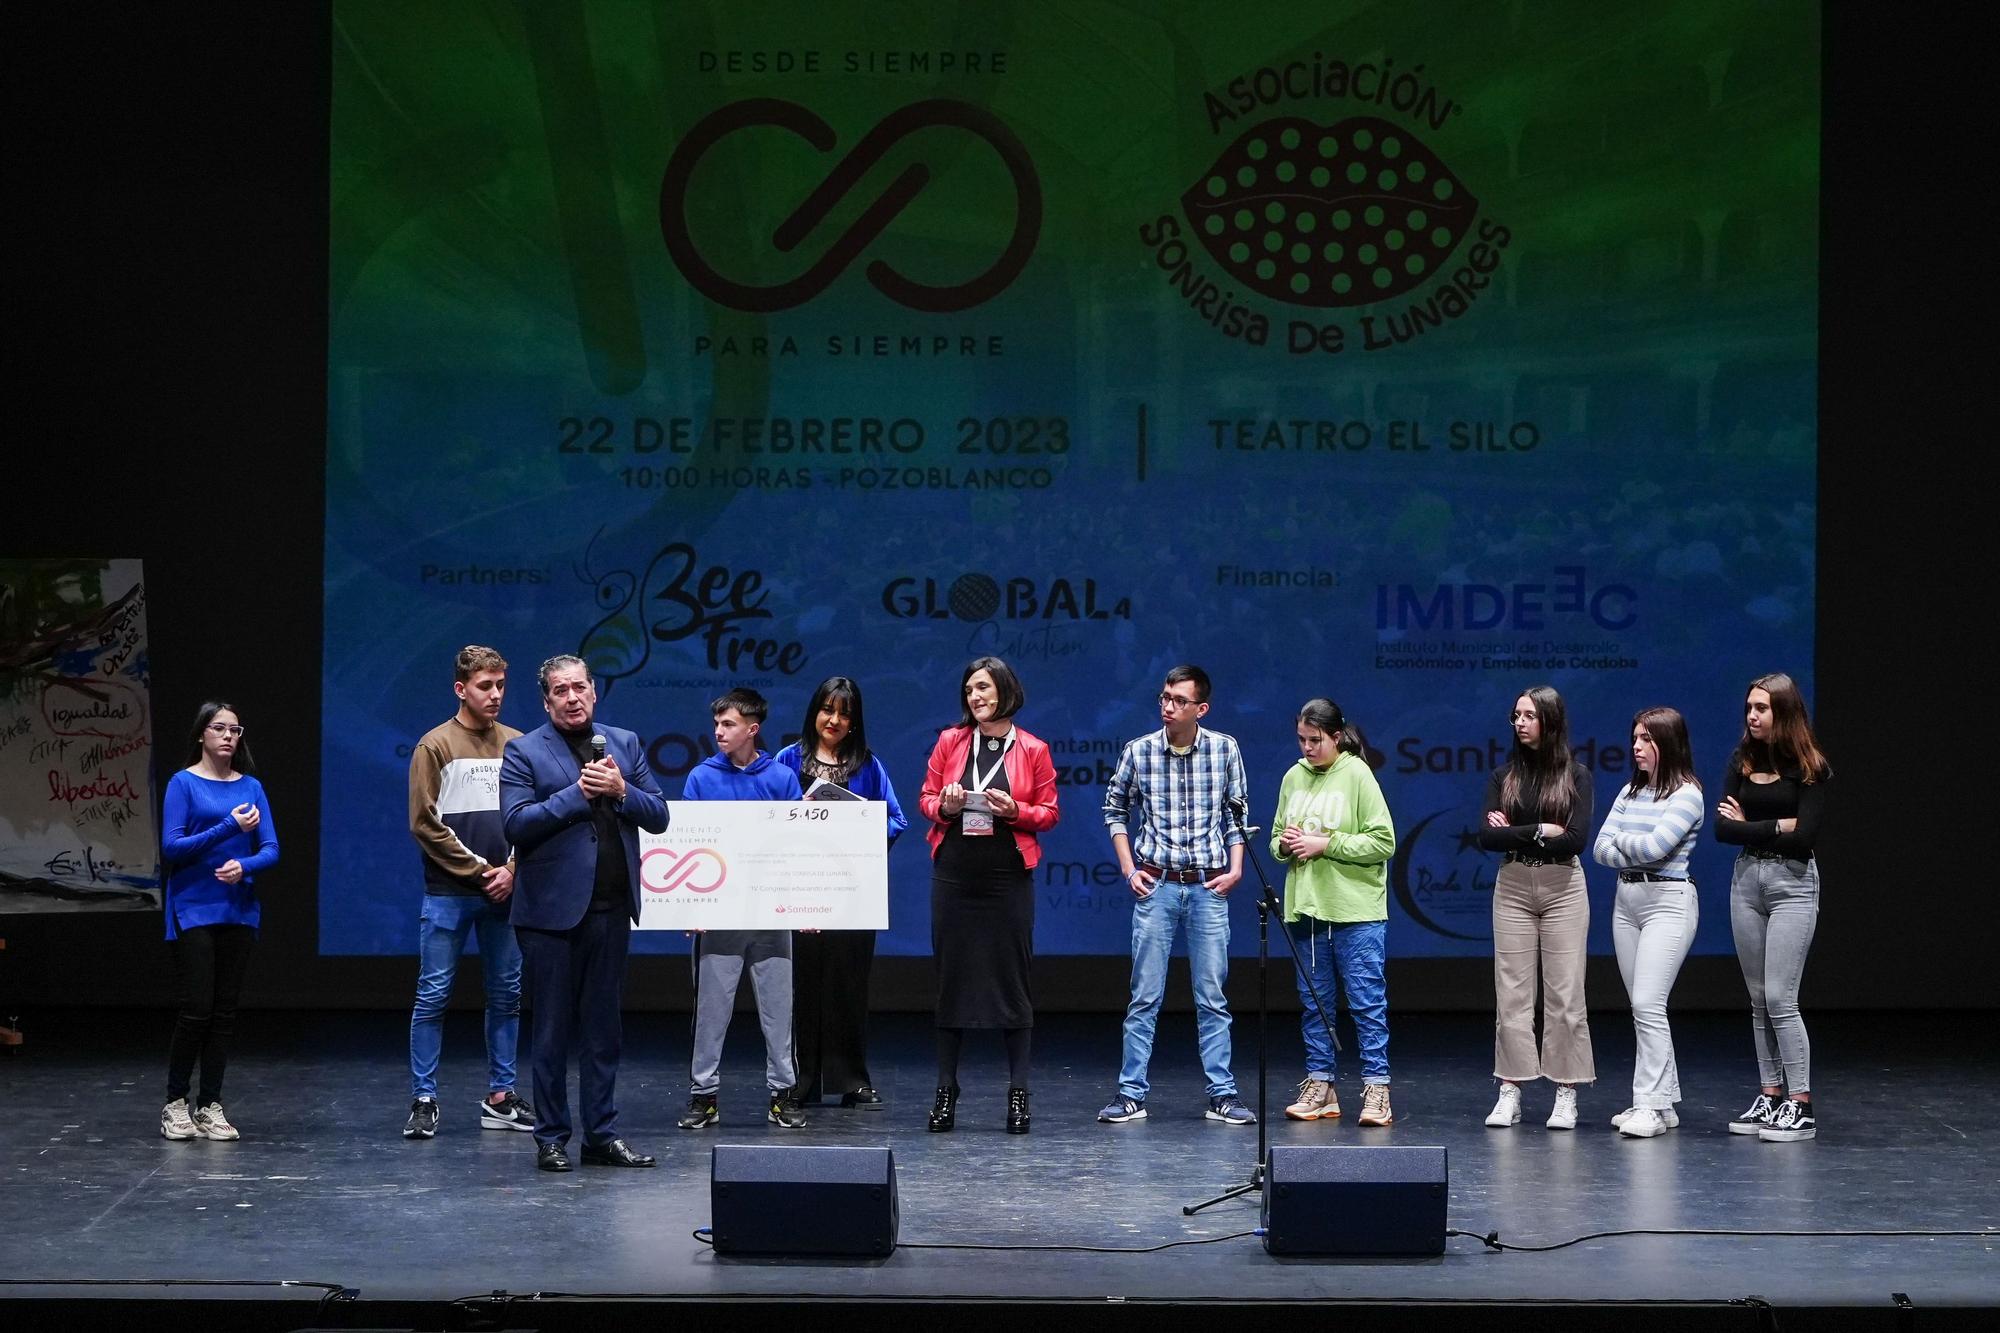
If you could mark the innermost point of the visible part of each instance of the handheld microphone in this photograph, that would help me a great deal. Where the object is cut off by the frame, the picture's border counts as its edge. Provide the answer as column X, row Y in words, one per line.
column 597, row 756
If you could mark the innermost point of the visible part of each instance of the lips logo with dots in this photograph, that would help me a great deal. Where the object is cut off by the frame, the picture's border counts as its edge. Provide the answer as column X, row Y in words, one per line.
column 1330, row 216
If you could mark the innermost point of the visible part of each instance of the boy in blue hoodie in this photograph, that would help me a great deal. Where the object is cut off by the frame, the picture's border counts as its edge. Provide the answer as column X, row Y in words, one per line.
column 739, row 771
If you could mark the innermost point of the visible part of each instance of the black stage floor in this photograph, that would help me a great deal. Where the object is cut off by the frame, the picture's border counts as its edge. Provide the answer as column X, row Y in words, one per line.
column 323, row 1189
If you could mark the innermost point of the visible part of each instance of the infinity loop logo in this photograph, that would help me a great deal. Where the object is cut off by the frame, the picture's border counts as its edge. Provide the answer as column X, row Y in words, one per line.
column 701, row 870
column 874, row 219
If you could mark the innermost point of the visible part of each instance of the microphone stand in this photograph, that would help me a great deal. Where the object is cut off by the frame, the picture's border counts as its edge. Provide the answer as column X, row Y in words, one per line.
column 1267, row 903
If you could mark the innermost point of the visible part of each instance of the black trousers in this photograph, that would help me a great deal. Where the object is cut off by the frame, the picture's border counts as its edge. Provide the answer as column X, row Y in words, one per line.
column 575, row 985
column 830, row 1010
column 209, row 963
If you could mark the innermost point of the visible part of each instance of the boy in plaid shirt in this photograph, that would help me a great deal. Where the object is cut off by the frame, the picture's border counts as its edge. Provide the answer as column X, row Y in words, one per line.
column 1183, row 789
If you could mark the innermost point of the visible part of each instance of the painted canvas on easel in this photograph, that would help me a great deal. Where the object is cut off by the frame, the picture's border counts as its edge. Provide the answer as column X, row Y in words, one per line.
column 78, row 820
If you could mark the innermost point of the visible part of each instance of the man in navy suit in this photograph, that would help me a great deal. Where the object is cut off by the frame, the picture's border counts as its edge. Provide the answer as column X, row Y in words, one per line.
column 573, row 821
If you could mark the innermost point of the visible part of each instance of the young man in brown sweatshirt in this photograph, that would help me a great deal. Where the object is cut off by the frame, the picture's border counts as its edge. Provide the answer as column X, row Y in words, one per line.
column 468, row 877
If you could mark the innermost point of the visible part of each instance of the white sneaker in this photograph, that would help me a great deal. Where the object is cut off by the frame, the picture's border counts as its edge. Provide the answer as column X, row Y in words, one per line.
column 175, row 1123
column 1564, row 1115
column 1506, row 1111
column 213, row 1124
column 1644, row 1124
column 1669, row 1115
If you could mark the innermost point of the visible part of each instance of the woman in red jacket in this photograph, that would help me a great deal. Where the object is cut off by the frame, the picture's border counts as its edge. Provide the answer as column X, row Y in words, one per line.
column 989, row 790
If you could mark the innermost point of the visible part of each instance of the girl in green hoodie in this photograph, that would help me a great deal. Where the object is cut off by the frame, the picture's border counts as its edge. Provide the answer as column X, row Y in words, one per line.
column 1333, row 833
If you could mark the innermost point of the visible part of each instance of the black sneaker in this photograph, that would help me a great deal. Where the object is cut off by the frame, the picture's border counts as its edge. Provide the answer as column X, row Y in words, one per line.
column 702, row 1112
column 423, row 1123
column 1761, row 1113
column 1794, row 1121
column 1120, row 1109
column 510, row 1112
column 1230, row 1110
column 785, row 1111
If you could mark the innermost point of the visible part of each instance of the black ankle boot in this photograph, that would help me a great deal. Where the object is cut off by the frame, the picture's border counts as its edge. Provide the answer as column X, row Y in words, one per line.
column 1017, row 1110
column 944, row 1111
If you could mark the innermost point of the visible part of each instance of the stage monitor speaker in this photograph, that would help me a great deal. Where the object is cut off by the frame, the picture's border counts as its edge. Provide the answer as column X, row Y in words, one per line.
column 1355, row 1200
column 802, row 1200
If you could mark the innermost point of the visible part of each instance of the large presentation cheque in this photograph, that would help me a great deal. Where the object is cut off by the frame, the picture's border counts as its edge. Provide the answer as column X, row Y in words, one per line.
column 767, row 865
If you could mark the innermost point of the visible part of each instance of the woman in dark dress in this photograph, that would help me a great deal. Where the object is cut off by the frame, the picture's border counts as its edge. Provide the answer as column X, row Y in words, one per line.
column 830, row 968
column 990, row 788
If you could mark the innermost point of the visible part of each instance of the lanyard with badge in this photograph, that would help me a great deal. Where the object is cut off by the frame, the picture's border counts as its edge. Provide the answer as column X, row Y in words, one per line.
column 977, row 819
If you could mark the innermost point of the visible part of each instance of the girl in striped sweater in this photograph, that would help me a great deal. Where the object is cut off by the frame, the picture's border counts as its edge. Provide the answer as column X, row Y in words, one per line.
column 1646, row 839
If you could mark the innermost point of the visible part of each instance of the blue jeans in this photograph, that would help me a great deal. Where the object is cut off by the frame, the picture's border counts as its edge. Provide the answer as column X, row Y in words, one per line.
column 1155, row 920
column 1354, row 951
column 441, row 931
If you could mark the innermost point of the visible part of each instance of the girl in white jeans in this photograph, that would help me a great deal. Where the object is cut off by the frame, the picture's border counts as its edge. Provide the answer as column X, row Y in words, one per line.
column 1647, row 840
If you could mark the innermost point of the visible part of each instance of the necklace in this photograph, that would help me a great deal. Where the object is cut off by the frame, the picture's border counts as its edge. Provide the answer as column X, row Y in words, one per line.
column 992, row 742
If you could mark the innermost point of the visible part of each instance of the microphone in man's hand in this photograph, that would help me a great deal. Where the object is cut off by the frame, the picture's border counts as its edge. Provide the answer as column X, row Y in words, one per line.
column 597, row 757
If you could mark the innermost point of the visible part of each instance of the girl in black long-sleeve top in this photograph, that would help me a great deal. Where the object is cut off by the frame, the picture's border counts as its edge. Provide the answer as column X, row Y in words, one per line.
column 1538, row 813
column 1773, row 802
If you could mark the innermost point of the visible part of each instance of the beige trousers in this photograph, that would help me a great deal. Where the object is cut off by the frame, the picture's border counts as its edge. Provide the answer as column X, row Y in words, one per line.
column 1541, row 924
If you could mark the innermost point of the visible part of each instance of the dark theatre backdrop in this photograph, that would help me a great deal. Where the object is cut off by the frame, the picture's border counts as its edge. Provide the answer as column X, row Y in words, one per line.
column 174, row 406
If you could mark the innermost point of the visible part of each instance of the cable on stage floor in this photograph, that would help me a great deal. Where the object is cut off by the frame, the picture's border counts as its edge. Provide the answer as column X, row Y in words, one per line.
column 1492, row 1241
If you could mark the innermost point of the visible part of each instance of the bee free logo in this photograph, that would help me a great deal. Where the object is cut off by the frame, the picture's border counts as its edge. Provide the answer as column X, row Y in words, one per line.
column 1358, row 217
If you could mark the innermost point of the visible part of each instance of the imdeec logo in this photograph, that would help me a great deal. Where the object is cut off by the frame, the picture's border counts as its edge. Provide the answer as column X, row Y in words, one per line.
column 1569, row 595
column 875, row 219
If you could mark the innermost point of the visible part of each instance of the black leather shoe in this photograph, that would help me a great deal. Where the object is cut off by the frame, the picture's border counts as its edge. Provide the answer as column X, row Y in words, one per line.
column 615, row 1153
column 944, row 1112
column 551, row 1157
column 863, row 1099
column 1017, row 1110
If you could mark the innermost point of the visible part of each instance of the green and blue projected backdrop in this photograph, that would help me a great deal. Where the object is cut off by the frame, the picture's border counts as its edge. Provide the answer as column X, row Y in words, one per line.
column 1404, row 354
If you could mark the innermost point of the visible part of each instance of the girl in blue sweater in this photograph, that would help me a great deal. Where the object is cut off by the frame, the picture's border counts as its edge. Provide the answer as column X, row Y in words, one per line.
column 216, row 835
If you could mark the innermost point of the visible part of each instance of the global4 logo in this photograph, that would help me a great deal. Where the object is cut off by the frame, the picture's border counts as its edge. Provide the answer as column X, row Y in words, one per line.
column 977, row 597
column 1512, row 606
column 1018, row 618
